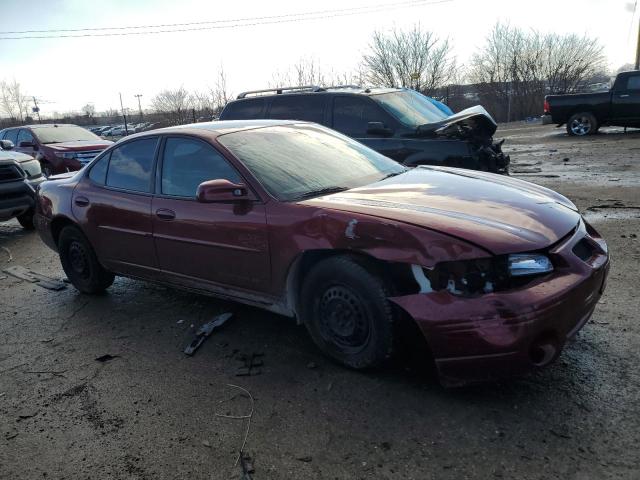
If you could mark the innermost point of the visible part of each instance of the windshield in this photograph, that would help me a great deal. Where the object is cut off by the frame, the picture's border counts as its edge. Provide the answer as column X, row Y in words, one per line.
column 410, row 107
column 294, row 162
column 63, row 133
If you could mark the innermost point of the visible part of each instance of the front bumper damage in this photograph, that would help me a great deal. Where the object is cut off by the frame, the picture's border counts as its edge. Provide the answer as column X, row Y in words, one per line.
column 508, row 333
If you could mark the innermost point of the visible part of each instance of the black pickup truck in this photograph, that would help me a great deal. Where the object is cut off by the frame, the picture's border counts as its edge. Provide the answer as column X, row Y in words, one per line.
column 584, row 113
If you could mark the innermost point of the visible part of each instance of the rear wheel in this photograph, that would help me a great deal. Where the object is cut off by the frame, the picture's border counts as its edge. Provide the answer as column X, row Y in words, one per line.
column 80, row 263
column 26, row 220
column 581, row 124
column 345, row 309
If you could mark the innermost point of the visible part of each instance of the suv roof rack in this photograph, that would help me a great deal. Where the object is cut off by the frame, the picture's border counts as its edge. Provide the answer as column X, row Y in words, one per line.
column 281, row 90
column 301, row 89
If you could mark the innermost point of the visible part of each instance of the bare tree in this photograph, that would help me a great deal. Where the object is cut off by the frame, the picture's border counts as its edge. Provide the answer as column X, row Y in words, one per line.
column 415, row 59
column 174, row 104
column 89, row 110
column 12, row 102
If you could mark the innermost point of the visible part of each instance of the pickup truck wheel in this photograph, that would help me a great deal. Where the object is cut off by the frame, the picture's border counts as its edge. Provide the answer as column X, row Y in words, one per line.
column 26, row 220
column 345, row 309
column 80, row 263
column 581, row 124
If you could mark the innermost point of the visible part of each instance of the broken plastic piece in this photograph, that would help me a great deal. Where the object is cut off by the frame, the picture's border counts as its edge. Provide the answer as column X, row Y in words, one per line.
column 205, row 330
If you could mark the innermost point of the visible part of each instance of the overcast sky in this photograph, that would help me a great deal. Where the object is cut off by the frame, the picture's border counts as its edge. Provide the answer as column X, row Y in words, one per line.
column 67, row 73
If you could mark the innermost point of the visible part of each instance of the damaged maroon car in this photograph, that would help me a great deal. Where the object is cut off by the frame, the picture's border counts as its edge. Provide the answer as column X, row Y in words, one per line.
column 496, row 273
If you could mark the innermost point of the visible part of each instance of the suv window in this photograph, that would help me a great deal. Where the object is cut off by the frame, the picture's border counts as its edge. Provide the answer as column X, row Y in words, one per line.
column 633, row 83
column 187, row 163
column 131, row 165
column 352, row 114
column 12, row 135
column 24, row 136
column 98, row 172
column 309, row 108
column 244, row 109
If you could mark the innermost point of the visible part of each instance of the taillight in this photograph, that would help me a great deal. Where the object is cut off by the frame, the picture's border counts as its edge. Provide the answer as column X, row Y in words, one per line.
column 546, row 106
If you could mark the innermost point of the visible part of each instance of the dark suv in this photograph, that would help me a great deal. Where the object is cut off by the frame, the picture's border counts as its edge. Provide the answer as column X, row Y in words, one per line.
column 399, row 123
column 59, row 148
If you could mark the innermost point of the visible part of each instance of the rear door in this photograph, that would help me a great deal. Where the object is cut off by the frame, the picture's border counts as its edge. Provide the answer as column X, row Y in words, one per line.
column 224, row 244
column 625, row 101
column 113, row 204
column 307, row 108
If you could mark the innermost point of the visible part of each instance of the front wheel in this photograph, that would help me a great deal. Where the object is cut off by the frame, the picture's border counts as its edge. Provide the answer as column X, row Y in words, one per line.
column 345, row 309
column 581, row 124
column 80, row 263
column 26, row 220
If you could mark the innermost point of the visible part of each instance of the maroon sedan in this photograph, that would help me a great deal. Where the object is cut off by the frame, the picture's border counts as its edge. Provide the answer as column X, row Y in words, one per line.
column 295, row 218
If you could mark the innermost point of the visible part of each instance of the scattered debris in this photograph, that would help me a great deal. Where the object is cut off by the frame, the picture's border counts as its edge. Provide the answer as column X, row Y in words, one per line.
column 526, row 170
column 206, row 443
column 22, row 273
column 2, row 394
column 614, row 179
column 312, row 365
column 247, row 417
column 27, row 414
column 306, row 459
column 247, row 466
column 565, row 159
column 205, row 330
column 559, row 435
column 250, row 364
column 179, row 322
column 8, row 253
column 56, row 373
column 9, row 436
column 106, row 358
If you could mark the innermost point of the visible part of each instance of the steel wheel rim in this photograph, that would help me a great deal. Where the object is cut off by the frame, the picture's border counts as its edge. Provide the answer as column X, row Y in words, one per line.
column 79, row 260
column 343, row 319
column 581, row 125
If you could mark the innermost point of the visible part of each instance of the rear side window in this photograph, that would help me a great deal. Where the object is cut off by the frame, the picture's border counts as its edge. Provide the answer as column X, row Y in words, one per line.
column 98, row 172
column 309, row 108
column 244, row 109
column 131, row 165
column 633, row 83
column 12, row 135
column 352, row 114
column 187, row 163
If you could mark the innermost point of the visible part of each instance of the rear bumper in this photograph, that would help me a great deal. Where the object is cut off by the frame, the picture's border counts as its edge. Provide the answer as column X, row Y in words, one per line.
column 547, row 120
column 508, row 333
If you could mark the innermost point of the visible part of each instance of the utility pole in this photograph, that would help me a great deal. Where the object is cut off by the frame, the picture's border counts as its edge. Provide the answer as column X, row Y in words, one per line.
column 138, row 95
column 638, row 49
column 36, row 109
column 126, row 130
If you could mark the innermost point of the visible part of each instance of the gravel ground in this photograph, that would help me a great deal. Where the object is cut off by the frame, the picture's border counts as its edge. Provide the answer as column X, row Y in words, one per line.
column 152, row 413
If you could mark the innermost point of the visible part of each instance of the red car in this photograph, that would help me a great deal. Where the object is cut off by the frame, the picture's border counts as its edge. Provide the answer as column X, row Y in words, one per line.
column 298, row 219
column 58, row 147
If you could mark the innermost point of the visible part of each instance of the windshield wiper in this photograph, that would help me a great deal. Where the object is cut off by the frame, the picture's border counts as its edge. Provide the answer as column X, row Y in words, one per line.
column 320, row 192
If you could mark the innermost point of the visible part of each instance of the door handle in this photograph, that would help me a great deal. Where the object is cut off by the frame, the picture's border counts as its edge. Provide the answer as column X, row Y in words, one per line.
column 81, row 201
column 165, row 214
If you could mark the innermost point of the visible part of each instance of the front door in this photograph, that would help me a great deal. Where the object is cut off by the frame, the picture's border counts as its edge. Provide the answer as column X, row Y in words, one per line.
column 220, row 244
column 625, row 102
column 113, row 204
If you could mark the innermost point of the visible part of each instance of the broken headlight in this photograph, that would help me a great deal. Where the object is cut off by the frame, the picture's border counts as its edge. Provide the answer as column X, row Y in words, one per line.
column 529, row 264
column 486, row 275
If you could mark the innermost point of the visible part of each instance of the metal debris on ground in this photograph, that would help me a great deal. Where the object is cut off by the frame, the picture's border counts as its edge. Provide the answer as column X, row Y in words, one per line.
column 8, row 253
column 248, row 417
column 247, row 466
column 251, row 364
column 23, row 273
column 205, row 330
column 106, row 358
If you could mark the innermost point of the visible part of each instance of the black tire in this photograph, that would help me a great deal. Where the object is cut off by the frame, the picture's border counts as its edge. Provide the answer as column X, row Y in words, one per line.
column 26, row 220
column 345, row 309
column 80, row 263
column 581, row 124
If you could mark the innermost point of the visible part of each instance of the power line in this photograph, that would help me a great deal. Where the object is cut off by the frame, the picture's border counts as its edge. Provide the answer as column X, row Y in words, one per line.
column 215, row 25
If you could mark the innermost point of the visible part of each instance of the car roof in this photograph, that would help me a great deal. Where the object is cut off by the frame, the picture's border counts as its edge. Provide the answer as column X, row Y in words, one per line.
column 45, row 125
column 218, row 127
column 314, row 90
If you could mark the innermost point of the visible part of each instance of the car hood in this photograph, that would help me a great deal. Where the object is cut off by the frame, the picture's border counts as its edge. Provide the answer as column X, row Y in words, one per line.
column 8, row 156
column 79, row 145
column 474, row 122
column 501, row 214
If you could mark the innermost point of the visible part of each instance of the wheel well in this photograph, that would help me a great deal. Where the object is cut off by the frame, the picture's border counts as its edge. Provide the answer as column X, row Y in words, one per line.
column 397, row 276
column 57, row 224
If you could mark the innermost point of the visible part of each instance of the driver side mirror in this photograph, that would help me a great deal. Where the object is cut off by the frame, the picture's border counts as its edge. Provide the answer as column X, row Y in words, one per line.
column 221, row 190
column 6, row 145
column 27, row 144
column 378, row 128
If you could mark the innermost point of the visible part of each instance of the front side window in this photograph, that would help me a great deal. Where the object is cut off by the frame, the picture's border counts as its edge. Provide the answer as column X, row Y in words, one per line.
column 308, row 108
column 294, row 162
column 12, row 136
column 131, row 165
column 351, row 115
column 98, row 172
column 187, row 163
column 24, row 136
column 633, row 83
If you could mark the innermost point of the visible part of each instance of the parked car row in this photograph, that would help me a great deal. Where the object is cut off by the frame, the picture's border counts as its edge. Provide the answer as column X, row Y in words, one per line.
column 122, row 130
